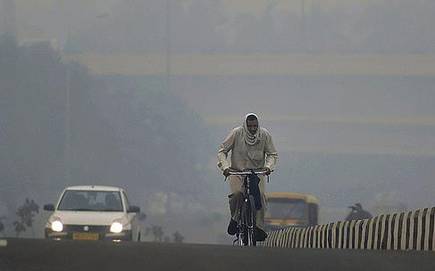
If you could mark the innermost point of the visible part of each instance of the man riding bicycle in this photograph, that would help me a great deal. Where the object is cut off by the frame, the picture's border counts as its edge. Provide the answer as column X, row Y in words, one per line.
column 251, row 147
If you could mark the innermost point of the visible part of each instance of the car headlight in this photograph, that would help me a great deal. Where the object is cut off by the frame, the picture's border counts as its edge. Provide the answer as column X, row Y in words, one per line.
column 116, row 227
column 57, row 226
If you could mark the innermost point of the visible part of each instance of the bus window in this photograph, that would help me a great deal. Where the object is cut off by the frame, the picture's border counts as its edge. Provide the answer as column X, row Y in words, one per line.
column 286, row 209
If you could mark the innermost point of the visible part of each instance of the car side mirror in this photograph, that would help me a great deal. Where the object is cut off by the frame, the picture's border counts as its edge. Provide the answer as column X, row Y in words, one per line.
column 49, row 207
column 133, row 209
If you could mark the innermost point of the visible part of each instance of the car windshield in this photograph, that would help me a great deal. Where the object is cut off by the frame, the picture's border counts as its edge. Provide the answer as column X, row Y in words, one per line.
column 286, row 209
column 79, row 200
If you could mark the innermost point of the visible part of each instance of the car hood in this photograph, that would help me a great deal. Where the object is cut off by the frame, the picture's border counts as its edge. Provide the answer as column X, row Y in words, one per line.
column 88, row 218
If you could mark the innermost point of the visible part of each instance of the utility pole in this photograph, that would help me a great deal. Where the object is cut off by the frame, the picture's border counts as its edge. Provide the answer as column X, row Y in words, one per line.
column 67, row 150
column 168, row 45
column 303, row 30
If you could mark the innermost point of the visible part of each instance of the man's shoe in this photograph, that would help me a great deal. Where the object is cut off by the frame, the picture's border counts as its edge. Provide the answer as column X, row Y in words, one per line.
column 232, row 227
column 260, row 235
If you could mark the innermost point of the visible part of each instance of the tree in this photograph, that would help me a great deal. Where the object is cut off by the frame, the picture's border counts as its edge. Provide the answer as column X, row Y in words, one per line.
column 62, row 113
column 2, row 226
column 178, row 238
column 19, row 227
column 158, row 233
column 25, row 214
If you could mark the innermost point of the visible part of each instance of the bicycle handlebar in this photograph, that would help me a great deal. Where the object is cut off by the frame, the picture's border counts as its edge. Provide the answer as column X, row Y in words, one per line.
column 247, row 172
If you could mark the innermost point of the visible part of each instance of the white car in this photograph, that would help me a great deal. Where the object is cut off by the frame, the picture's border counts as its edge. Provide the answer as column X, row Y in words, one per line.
column 93, row 213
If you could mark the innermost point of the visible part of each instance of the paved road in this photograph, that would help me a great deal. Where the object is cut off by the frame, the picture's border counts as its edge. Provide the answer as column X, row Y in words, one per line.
column 28, row 254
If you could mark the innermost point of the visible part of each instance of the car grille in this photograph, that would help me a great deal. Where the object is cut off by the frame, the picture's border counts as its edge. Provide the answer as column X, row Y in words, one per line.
column 91, row 228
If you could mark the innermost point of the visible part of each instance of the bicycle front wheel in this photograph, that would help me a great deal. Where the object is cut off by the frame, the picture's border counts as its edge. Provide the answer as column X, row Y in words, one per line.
column 251, row 221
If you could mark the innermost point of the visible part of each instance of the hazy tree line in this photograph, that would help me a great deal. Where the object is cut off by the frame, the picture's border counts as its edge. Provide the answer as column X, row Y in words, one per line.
column 61, row 126
column 399, row 26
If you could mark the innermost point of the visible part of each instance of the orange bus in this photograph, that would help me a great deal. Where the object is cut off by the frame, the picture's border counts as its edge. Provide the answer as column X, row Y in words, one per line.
column 290, row 209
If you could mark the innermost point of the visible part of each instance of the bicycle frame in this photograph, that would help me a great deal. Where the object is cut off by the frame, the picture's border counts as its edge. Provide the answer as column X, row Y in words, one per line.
column 246, row 224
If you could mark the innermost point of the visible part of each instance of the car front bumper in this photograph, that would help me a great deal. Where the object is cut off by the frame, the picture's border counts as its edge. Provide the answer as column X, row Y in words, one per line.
column 90, row 234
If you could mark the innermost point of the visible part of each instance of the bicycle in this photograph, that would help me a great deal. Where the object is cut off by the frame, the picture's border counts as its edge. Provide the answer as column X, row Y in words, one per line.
column 246, row 224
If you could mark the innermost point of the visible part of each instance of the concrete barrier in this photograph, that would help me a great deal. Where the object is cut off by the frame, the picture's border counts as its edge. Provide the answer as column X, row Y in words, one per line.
column 413, row 230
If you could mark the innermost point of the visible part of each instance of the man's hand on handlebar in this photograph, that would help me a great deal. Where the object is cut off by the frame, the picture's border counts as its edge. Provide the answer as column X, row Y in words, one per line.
column 268, row 171
column 227, row 171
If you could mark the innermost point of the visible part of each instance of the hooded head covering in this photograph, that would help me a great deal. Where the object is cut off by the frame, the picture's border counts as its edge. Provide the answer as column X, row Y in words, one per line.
column 249, row 138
